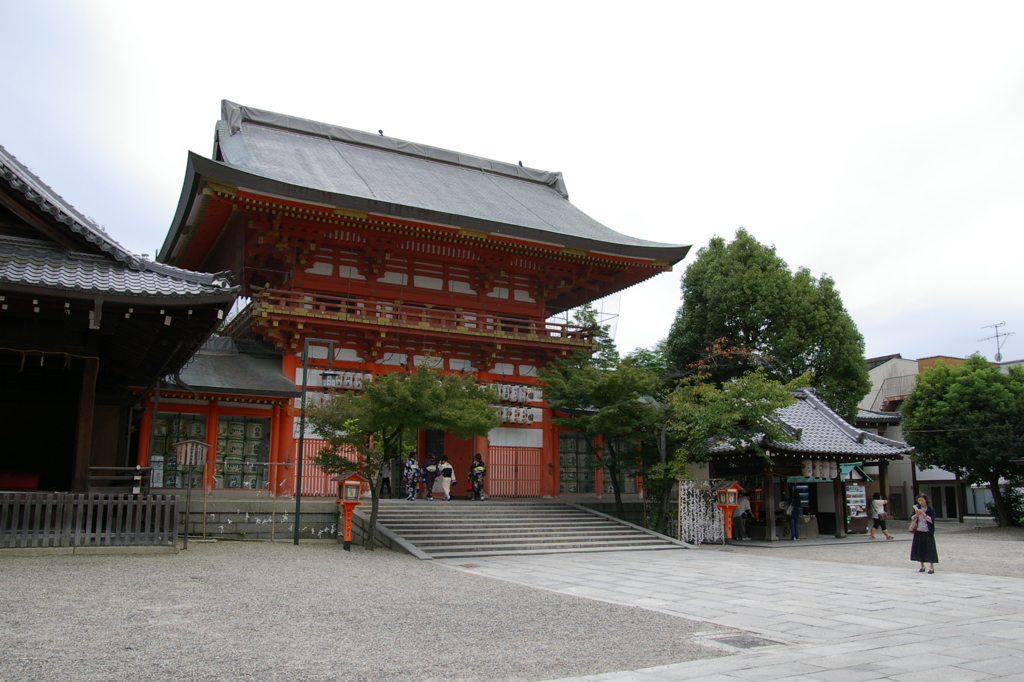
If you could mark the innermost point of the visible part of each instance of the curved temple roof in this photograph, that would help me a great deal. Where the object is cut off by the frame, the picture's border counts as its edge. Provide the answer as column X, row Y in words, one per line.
column 818, row 430
column 289, row 156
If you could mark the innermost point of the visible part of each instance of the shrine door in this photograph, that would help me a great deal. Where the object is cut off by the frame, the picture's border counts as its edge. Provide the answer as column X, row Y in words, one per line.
column 513, row 471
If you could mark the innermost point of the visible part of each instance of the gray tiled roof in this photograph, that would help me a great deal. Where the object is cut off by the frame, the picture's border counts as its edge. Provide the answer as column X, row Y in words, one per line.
column 385, row 174
column 34, row 263
column 238, row 374
column 875, row 416
column 21, row 179
column 821, row 431
column 31, row 263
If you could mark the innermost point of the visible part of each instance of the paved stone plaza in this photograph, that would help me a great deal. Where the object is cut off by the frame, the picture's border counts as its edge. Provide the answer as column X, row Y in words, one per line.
column 813, row 620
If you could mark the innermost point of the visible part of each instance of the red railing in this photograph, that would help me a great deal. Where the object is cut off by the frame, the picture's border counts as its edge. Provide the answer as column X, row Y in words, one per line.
column 376, row 312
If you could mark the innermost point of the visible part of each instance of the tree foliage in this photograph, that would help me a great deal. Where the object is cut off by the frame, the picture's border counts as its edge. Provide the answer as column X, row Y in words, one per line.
column 787, row 323
column 738, row 413
column 968, row 420
column 372, row 422
column 602, row 398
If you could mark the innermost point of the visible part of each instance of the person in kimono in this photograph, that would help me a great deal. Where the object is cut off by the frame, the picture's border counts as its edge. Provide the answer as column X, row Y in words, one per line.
column 477, row 471
column 447, row 474
column 429, row 475
column 411, row 474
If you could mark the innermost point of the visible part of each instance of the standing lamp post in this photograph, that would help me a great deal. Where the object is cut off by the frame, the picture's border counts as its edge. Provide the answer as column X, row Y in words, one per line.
column 302, row 419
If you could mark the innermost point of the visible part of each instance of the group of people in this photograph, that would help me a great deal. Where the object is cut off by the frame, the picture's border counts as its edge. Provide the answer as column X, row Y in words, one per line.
column 440, row 469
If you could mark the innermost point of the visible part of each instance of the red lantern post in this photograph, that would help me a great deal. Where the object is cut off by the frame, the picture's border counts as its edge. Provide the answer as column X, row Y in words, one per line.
column 350, row 485
column 727, row 496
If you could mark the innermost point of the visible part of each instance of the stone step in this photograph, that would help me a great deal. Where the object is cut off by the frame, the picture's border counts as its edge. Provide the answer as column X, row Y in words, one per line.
column 465, row 530
column 527, row 543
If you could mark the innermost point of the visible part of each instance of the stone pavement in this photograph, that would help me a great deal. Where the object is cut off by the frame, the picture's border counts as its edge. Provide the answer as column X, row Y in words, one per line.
column 809, row 620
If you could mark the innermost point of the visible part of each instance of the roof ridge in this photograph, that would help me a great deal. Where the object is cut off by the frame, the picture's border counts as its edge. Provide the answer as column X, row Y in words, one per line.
column 235, row 114
column 31, row 185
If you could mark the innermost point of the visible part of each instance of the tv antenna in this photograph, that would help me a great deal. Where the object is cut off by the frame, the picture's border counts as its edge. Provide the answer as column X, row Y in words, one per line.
column 1000, row 338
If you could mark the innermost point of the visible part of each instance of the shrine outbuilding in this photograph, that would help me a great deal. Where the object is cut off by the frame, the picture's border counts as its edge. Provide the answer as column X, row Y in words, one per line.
column 823, row 464
column 379, row 255
column 86, row 328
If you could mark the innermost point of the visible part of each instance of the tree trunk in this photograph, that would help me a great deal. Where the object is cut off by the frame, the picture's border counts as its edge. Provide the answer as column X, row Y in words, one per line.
column 1002, row 513
column 371, row 531
column 613, row 473
column 666, row 495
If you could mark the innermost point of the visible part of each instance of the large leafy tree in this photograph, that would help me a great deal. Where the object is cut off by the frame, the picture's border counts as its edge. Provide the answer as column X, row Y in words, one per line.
column 969, row 420
column 363, row 430
column 743, row 295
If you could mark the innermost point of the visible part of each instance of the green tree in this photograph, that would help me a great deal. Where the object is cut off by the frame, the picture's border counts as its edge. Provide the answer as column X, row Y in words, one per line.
column 968, row 420
column 658, row 442
column 743, row 295
column 741, row 413
column 602, row 398
column 608, row 406
column 372, row 422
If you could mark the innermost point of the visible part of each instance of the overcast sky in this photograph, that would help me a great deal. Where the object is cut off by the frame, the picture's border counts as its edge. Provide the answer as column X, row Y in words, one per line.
column 881, row 143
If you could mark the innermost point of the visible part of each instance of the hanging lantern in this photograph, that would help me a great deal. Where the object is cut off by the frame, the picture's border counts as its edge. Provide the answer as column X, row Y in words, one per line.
column 833, row 469
column 330, row 378
column 805, row 468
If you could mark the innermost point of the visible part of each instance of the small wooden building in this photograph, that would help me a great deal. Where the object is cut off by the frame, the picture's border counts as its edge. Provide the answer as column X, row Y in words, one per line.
column 818, row 465
column 85, row 327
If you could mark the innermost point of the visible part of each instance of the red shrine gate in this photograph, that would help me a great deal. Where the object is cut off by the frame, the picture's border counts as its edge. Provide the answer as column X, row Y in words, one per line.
column 400, row 254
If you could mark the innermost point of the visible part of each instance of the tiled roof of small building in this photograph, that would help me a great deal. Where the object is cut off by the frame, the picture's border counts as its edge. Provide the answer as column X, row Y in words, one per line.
column 31, row 263
column 110, row 269
column 876, row 417
column 21, row 179
column 219, row 368
column 820, row 431
column 290, row 156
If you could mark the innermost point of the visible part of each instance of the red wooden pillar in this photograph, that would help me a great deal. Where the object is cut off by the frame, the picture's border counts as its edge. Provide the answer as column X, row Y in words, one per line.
column 212, row 423
column 549, row 461
column 286, row 447
column 86, row 412
column 145, row 430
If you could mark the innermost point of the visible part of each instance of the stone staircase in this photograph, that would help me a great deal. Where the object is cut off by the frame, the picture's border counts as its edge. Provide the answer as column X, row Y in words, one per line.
column 463, row 528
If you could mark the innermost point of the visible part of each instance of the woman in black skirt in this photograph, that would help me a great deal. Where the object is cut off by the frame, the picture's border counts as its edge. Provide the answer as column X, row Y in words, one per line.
column 923, row 548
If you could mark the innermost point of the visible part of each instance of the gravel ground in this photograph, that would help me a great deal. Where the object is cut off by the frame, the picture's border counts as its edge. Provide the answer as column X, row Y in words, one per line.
column 989, row 550
column 248, row 610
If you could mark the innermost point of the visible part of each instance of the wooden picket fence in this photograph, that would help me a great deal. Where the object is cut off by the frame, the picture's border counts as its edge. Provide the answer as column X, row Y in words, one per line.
column 89, row 520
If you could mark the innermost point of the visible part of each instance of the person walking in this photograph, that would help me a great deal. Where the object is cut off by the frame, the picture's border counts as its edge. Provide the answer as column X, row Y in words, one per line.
column 447, row 474
column 411, row 474
column 879, row 515
column 922, row 549
column 429, row 475
column 477, row 471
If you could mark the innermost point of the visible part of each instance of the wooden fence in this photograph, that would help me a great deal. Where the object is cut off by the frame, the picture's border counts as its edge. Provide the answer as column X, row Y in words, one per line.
column 315, row 483
column 91, row 520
